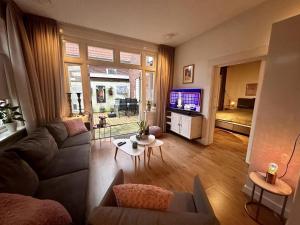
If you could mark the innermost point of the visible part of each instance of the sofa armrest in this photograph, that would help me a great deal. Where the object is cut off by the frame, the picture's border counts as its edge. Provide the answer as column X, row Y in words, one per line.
column 132, row 216
column 109, row 198
column 200, row 198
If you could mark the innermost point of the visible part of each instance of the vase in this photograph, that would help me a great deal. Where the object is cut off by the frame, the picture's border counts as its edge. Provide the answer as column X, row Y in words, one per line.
column 11, row 127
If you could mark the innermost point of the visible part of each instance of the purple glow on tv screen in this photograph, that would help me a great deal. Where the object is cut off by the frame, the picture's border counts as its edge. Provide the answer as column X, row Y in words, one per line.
column 187, row 96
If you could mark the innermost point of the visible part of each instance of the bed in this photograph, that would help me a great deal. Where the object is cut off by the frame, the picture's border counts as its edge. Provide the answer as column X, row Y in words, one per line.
column 239, row 119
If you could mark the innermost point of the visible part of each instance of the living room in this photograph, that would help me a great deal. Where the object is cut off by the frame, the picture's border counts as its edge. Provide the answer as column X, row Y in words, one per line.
column 108, row 116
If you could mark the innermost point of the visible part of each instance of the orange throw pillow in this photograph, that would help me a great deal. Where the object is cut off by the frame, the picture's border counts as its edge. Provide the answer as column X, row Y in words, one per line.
column 75, row 126
column 142, row 196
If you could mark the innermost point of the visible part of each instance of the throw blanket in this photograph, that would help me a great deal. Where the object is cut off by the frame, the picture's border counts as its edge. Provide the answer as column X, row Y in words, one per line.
column 25, row 210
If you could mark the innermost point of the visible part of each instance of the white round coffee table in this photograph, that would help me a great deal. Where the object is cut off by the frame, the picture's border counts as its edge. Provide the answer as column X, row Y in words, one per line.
column 144, row 142
column 127, row 148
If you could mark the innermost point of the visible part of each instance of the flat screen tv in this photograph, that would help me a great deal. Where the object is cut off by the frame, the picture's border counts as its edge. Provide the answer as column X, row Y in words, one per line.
column 186, row 99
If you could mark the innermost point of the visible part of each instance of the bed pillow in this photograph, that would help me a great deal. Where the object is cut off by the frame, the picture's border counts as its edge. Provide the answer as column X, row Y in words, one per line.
column 37, row 149
column 16, row 176
column 59, row 131
column 24, row 210
column 75, row 126
column 142, row 196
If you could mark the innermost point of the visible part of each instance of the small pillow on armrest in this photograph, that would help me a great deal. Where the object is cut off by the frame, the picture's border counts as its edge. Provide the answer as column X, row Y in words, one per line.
column 142, row 196
column 75, row 126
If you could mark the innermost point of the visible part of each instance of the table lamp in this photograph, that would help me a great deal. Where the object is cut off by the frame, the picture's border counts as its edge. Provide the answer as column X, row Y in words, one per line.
column 272, row 173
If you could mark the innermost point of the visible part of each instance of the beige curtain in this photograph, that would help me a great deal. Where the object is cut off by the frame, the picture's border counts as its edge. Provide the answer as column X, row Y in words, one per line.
column 21, row 77
column 164, row 82
column 43, row 35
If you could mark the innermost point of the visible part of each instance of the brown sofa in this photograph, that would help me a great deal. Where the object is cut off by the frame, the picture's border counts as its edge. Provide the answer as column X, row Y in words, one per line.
column 47, row 164
column 185, row 209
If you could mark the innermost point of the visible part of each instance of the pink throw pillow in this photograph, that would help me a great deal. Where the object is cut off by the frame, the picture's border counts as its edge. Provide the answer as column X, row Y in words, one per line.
column 142, row 196
column 25, row 210
column 75, row 126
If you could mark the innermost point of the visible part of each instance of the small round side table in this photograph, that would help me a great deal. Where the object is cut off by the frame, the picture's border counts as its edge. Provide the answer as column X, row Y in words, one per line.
column 280, row 188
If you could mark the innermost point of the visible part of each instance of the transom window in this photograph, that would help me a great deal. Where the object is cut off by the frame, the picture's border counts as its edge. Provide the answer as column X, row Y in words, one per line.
column 130, row 58
column 103, row 54
column 72, row 49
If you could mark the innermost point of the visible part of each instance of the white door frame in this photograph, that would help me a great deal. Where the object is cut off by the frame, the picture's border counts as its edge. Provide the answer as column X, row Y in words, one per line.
column 258, row 54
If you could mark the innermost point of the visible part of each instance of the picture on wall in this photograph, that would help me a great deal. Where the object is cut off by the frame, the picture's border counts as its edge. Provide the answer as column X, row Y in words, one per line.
column 251, row 89
column 100, row 94
column 188, row 74
column 122, row 90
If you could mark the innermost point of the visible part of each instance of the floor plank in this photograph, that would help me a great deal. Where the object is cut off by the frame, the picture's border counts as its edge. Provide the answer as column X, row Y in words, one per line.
column 220, row 166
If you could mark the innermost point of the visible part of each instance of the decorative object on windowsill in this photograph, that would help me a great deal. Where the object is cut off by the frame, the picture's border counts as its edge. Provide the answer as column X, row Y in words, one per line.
column 271, row 174
column 148, row 106
column 188, row 74
column 142, row 130
column 10, row 115
column 79, row 103
column 110, row 91
column 69, row 95
column 134, row 145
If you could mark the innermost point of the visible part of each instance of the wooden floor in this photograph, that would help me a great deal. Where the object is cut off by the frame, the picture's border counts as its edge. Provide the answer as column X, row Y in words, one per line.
column 221, row 167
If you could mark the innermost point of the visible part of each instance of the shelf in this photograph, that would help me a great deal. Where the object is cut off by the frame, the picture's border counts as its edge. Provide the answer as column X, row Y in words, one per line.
column 168, row 123
column 169, row 117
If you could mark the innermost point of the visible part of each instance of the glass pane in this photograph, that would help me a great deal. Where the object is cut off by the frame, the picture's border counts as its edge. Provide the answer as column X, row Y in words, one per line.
column 75, row 85
column 130, row 58
column 150, row 86
column 149, row 61
column 115, row 94
column 72, row 49
column 103, row 54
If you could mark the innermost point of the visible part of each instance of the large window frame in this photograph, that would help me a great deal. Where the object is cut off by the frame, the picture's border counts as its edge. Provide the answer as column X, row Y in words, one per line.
column 84, row 62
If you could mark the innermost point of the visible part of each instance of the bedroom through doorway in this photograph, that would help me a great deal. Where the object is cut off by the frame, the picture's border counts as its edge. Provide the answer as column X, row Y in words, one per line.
column 237, row 97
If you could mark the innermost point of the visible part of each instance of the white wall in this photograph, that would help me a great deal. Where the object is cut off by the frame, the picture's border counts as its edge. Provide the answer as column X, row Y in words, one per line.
column 238, row 76
column 247, row 32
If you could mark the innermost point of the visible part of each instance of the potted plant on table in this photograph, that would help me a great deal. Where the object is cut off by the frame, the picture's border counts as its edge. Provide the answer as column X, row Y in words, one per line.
column 143, row 130
column 10, row 115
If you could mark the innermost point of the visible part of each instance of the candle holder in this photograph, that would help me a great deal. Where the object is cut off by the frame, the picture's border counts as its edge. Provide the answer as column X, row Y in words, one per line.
column 271, row 174
column 70, row 103
column 79, row 103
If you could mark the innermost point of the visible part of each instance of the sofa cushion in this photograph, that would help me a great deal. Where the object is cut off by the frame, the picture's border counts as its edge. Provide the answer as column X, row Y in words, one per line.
column 75, row 126
column 80, row 139
column 37, row 149
column 142, row 196
column 24, row 210
column 67, row 160
column 70, row 190
column 130, row 216
column 16, row 176
column 59, row 131
column 182, row 202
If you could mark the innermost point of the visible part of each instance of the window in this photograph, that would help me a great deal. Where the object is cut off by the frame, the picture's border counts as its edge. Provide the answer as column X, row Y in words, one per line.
column 72, row 49
column 150, row 86
column 130, row 58
column 103, row 54
column 75, row 86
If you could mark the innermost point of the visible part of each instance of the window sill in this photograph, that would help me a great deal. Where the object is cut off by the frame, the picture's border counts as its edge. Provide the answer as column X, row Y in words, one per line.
column 7, row 134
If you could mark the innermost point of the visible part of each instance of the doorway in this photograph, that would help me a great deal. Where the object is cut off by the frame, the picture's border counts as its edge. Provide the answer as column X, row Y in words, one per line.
column 236, row 97
column 115, row 99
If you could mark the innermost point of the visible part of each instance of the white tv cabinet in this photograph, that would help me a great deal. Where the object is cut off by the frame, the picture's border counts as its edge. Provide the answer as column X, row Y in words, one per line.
column 188, row 126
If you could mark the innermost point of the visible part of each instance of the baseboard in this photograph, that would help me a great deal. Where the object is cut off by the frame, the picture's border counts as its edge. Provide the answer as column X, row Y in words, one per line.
column 267, row 199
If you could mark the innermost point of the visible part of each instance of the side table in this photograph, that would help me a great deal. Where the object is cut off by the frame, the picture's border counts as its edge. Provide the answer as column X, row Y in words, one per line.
column 280, row 188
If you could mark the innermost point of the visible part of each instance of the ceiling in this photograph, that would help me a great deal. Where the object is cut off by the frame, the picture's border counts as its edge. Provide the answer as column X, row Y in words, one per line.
column 169, row 22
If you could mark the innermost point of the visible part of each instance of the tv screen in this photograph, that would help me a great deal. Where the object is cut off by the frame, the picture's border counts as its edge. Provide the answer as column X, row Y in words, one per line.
column 186, row 99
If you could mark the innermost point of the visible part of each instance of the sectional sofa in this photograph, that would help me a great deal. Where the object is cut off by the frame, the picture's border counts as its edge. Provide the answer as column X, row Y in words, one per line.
column 47, row 164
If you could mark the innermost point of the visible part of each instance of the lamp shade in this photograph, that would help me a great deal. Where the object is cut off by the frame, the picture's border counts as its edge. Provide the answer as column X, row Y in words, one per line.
column 4, row 93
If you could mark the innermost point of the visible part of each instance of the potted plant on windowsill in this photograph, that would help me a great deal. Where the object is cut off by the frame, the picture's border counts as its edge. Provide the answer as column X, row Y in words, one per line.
column 10, row 115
